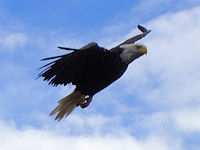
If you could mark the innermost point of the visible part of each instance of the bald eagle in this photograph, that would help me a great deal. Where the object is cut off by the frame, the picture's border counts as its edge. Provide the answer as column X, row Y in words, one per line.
column 91, row 69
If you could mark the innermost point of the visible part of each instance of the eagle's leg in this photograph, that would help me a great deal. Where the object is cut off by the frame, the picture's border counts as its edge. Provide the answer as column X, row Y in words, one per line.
column 86, row 102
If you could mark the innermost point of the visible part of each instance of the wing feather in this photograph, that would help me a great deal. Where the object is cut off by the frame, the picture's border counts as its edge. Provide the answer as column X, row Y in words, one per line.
column 68, row 68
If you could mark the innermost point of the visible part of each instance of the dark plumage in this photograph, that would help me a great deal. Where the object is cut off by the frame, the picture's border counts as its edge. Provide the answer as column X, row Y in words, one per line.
column 91, row 69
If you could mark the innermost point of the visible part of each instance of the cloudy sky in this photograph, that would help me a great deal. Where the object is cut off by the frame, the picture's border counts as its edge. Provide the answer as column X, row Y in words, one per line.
column 154, row 106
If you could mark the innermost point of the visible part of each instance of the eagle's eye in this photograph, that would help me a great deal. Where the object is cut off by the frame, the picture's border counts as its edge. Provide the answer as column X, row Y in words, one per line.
column 138, row 46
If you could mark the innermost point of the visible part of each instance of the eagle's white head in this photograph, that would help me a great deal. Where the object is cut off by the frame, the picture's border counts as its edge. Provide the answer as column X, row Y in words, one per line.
column 132, row 51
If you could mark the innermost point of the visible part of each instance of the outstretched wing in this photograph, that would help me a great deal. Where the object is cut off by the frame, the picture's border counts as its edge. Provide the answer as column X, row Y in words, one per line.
column 70, row 67
column 137, row 37
column 133, row 39
column 90, row 45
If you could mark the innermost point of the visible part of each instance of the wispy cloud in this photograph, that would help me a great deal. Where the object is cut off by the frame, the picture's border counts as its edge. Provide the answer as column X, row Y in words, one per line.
column 187, row 120
column 169, row 74
column 13, row 41
column 30, row 138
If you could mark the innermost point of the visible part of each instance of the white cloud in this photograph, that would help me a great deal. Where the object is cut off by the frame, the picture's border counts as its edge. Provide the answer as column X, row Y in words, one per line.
column 30, row 138
column 13, row 41
column 169, row 74
column 179, row 120
column 187, row 120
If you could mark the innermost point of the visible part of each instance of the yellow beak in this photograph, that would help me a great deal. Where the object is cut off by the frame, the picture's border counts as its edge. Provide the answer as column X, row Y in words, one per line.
column 143, row 50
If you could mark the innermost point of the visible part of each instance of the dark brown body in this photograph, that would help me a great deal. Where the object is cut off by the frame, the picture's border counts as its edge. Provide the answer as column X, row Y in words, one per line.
column 90, row 69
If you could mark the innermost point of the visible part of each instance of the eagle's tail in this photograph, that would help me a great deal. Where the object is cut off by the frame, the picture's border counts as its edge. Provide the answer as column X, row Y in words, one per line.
column 67, row 104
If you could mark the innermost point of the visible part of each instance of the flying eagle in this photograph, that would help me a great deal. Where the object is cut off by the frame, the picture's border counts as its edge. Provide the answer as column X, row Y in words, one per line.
column 91, row 69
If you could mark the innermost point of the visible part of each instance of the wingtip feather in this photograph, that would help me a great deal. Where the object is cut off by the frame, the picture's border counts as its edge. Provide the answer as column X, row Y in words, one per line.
column 67, row 48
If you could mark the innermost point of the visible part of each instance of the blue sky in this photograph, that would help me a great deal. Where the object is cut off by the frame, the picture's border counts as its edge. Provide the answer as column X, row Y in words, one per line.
column 155, row 105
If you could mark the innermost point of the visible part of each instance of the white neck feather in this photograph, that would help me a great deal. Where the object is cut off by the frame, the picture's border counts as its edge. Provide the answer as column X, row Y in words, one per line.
column 127, row 55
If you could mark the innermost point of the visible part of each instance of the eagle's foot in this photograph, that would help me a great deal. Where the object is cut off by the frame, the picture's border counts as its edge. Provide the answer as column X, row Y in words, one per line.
column 86, row 102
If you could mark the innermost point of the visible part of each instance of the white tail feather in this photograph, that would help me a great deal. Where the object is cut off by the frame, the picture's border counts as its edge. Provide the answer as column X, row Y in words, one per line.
column 67, row 104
